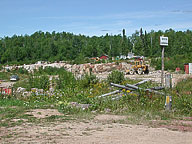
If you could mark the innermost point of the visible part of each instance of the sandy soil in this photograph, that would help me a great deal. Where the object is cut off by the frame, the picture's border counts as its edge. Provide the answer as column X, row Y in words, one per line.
column 103, row 129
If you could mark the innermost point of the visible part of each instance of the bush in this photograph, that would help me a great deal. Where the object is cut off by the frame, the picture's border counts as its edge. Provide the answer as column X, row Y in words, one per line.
column 40, row 82
column 22, row 71
column 183, row 97
column 173, row 62
column 5, row 76
column 116, row 77
column 66, row 79
column 49, row 71
column 88, row 80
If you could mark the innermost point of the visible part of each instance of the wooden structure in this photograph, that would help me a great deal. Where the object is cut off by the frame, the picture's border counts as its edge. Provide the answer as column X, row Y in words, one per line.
column 6, row 91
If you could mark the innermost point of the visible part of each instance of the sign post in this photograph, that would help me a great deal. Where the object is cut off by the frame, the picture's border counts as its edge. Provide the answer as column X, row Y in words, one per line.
column 168, row 103
column 190, row 68
column 163, row 43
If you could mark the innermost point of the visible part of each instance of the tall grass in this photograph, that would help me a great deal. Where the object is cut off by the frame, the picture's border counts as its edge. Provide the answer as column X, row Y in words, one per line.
column 182, row 100
column 85, row 91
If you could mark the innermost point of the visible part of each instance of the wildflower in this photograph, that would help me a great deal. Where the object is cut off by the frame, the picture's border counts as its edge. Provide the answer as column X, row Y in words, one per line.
column 60, row 102
column 134, row 94
column 90, row 96
column 128, row 91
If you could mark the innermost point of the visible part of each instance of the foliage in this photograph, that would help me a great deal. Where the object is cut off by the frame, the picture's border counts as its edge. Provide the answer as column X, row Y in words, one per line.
column 65, row 79
column 183, row 97
column 40, row 82
column 88, row 80
column 5, row 76
column 67, row 46
column 49, row 71
column 140, row 104
column 86, row 90
column 22, row 71
column 13, row 108
column 11, row 102
column 173, row 62
column 115, row 77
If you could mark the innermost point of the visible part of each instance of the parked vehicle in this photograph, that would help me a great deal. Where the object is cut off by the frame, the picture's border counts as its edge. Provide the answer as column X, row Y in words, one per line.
column 14, row 78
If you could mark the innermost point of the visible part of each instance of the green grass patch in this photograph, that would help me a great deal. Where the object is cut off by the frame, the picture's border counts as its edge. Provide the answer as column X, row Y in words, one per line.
column 68, row 89
column 5, row 76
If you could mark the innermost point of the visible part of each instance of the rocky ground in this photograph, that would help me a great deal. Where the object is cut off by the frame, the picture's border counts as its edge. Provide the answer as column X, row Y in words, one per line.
column 100, row 70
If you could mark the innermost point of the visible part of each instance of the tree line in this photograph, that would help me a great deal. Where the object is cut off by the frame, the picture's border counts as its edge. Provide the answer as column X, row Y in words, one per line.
column 54, row 46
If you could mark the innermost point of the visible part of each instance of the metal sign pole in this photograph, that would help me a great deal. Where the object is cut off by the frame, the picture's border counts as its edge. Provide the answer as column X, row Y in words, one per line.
column 162, row 68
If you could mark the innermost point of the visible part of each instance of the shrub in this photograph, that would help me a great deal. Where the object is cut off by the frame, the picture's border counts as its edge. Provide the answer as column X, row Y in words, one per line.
column 66, row 79
column 88, row 80
column 115, row 77
column 173, row 62
column 22, row 71
column 49, row 71
column 103, row 60
column 182, row 100
column 40, row 82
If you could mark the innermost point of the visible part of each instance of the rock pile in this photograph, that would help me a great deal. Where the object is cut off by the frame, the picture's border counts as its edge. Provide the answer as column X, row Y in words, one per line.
column 76, row 69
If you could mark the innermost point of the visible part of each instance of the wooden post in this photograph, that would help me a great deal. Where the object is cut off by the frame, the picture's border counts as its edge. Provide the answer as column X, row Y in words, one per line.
column 162, row 68
column 163, row 43
column 168, row 103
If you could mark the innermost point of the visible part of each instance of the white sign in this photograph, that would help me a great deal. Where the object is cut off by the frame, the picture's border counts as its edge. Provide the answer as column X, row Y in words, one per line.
column 190, row 68
column 163, row 41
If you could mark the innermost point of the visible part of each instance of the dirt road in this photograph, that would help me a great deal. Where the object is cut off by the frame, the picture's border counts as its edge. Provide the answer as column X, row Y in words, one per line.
column 103, row 129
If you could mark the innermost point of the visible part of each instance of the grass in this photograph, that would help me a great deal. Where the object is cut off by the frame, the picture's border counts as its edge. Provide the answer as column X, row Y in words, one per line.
column 138, row 105
column 7, row 114
column 11, row 102
column 13, row 112
column 59, row 118
column 14, row 109
column 5, row 76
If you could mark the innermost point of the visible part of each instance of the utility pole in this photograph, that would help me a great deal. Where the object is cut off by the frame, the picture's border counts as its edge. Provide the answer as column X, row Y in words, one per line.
column 163, row 43
column 162, row 66
column 151, row 42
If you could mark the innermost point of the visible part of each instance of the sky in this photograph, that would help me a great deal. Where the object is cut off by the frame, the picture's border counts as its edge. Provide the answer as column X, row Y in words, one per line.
column 93, row 17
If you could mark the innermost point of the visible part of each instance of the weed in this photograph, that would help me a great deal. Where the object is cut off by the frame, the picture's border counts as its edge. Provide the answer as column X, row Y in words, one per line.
column 85, row 91
column 88, row 80
column 115, row 77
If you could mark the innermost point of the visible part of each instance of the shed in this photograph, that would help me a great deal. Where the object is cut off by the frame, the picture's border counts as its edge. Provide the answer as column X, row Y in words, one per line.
column 105, row 57
column 186, row 67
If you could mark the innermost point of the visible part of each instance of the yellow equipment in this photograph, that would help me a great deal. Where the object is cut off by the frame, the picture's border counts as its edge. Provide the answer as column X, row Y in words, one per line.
column 140, row 67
